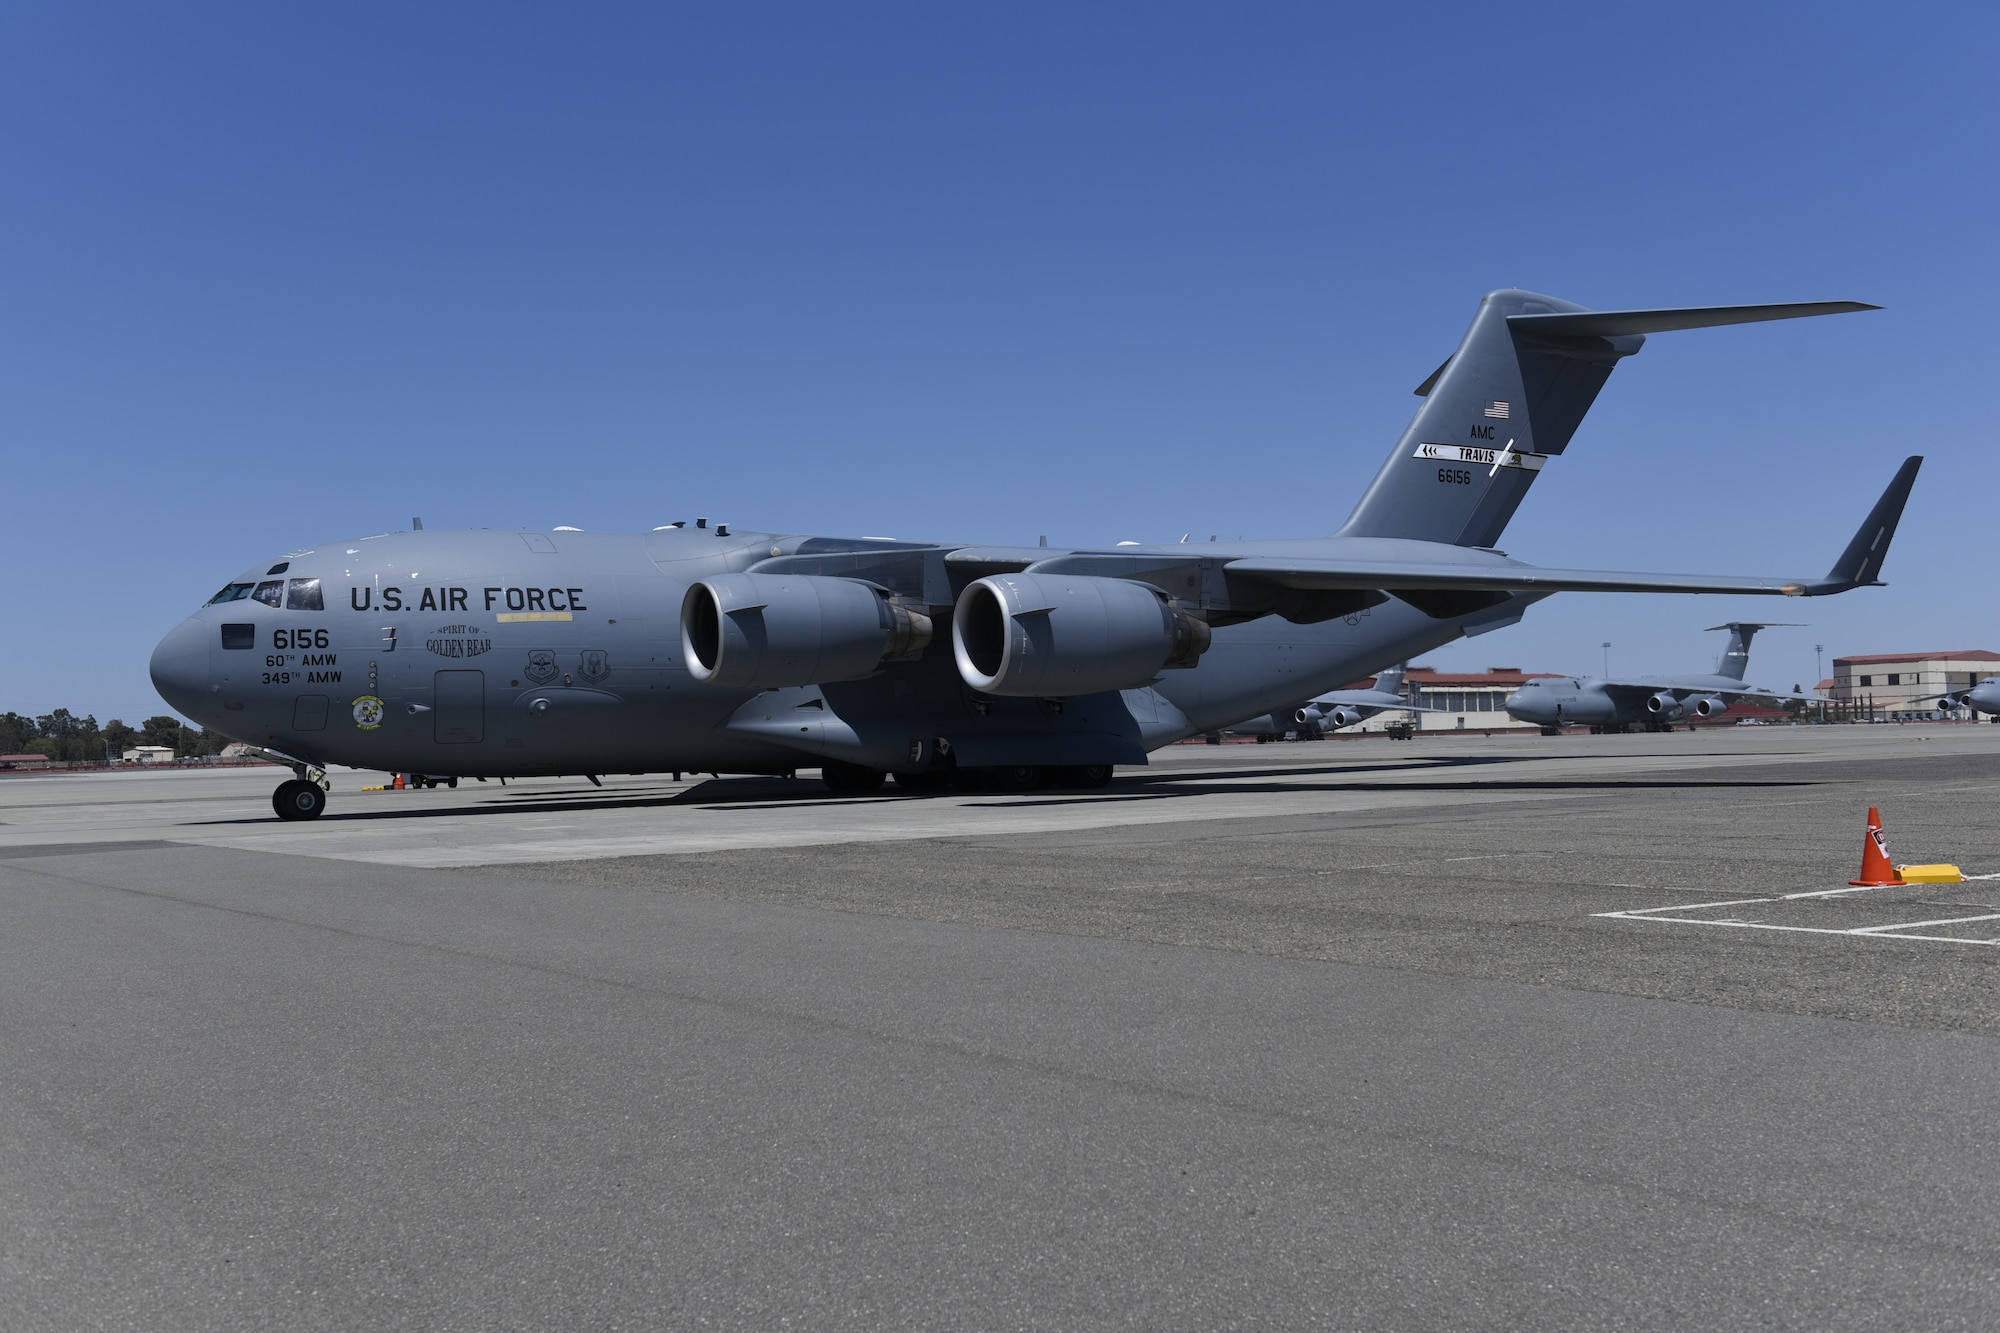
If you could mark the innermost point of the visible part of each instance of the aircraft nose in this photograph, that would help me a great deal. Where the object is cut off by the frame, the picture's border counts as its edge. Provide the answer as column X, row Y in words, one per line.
column 180, row 667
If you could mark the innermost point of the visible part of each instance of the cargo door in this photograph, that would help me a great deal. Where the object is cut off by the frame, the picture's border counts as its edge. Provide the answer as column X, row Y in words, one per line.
column 461, row 707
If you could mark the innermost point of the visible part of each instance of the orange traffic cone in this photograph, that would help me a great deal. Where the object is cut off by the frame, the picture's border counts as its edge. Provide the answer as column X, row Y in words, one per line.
column 399, row 787
column 1876, row 872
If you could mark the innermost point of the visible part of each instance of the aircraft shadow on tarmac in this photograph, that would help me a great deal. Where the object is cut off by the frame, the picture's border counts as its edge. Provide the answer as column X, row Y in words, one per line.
column 747, row 794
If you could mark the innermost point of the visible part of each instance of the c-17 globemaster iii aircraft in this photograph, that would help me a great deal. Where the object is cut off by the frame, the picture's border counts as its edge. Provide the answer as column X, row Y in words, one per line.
column 1655, row 702
column 493, row 653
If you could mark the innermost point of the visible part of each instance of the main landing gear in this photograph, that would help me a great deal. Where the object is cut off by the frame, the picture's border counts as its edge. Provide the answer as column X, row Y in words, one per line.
column 299, row 799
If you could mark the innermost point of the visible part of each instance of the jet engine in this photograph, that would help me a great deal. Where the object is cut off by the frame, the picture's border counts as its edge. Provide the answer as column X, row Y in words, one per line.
column 1343, row 715
column 762, row 631
column 1051, row 635
column 1707, row 706
column 1663, row 705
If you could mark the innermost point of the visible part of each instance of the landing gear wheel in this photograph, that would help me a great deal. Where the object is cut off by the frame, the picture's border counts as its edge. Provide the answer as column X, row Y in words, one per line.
column 851, row 779
column 1017, row 777
column 1088, row 775
column 299, row 799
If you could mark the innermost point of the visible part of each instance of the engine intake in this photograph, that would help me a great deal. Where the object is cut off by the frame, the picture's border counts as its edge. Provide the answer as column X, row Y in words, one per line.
column 1663, row 705
column 763, row 631
column 1052, row 635
column 1708, row 705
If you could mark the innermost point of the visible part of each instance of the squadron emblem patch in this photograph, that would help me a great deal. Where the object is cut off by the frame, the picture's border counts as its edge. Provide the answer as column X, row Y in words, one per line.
column 368, row 712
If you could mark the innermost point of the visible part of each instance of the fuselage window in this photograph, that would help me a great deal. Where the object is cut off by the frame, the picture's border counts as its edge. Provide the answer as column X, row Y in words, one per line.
column 270, row 594
column 235, row 592
column 303, row 595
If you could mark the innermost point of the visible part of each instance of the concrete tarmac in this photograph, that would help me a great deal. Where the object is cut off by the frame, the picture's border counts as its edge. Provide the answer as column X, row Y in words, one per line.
column 1524, row 1031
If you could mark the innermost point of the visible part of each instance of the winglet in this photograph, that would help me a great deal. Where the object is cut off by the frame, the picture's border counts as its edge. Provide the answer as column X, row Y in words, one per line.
column 1861, row 563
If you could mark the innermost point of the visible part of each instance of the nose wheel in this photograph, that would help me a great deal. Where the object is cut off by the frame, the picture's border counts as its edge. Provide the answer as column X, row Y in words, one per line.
column 299, row 799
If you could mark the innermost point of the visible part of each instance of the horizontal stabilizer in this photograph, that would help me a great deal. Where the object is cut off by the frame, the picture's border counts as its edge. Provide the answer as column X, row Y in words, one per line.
column 1617, row 323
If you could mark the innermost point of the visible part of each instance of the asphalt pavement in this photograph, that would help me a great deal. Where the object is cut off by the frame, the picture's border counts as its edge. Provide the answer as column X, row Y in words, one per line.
column 1577, row 1032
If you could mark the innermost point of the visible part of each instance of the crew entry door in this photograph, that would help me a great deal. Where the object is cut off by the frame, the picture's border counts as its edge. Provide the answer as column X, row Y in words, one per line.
column 461, row 707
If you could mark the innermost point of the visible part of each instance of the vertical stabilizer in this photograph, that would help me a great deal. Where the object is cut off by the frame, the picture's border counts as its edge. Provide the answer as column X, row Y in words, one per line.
column 1510, row 398
column 1391, row 680
column 1505, row 402
column 1736, row 654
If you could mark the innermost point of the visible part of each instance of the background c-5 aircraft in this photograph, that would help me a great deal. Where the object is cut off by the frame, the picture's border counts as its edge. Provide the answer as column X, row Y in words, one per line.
column 1981, row 698
column 1335, row 709
column 501, row 653
column 1654, row 701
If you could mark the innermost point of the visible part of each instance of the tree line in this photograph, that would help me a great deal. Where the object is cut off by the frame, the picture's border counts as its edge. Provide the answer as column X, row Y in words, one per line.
column 64, row 735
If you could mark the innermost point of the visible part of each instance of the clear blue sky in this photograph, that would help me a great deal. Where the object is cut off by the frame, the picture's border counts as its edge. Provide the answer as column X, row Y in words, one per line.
column 277, row 274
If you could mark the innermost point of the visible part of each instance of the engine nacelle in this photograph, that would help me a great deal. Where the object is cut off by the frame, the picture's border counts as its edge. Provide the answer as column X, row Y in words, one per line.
column 1332, row 719
column 1051, row 635
column 762, row 631
column 1709, row 705
column 1663, row 705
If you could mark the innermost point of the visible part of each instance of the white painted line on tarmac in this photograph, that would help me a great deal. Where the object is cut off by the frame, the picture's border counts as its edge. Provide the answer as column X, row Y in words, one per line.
column 1919, row 925
column 1901, row 930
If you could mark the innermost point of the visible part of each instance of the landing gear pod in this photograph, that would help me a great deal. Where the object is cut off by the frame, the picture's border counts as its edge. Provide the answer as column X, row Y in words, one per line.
column 1052, row 635
column 763, row 631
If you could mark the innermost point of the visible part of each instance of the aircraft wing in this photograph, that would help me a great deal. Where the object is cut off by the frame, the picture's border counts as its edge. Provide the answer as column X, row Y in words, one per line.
column 1735, row 689
column 1855, row 568
column 1370, row 699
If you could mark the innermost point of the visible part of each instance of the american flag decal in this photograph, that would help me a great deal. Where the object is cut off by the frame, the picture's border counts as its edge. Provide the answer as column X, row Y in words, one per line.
column 1497, row 409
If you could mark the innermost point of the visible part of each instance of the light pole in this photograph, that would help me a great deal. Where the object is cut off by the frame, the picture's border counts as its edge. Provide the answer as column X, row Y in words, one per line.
column 1819, row 674
column 1607, row 659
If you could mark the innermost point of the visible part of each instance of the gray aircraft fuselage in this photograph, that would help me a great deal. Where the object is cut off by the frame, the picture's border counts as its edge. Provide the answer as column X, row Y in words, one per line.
column 1655, row 700
column 494, row 653
column 1589, row 700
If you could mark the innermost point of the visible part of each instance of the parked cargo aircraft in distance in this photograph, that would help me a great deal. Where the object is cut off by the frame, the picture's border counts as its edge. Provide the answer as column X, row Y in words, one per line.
column 1654, row 702
column 1981, row 698
column 715, row 649
column 1335, row 709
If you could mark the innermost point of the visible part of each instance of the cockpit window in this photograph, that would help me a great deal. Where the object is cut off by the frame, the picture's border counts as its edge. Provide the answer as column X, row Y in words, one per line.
column 235, row 592
column 303, row 595
column 270, row 594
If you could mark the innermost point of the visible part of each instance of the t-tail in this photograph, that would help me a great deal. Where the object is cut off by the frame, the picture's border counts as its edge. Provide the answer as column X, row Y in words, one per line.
column 1390, row 681
column 1507, row 401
